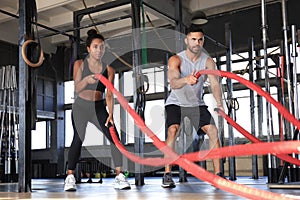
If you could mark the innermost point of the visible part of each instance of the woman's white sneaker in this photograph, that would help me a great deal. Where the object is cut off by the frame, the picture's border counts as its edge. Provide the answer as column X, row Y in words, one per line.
column 121, row 183
column 70, row 183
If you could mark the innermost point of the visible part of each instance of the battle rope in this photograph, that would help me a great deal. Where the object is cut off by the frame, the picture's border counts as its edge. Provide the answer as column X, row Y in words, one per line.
column 281, row 109
column 254, row 139
column 228, row 151
column 194, row 169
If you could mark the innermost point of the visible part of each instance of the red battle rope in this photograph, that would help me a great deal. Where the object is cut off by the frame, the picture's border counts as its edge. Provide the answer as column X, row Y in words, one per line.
column 256, row 140
column 285, row 113
column 188, row 165
column 285, row 147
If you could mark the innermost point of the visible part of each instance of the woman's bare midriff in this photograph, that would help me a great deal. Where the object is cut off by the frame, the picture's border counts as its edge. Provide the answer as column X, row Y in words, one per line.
column 91, row 95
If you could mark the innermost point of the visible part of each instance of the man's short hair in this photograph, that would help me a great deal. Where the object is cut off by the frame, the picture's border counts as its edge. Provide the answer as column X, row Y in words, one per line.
column 194, row 28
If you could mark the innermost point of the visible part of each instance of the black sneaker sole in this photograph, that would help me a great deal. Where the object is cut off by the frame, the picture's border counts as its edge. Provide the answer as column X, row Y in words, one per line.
column 126, row 188
column 168, row 186
column 71, row 190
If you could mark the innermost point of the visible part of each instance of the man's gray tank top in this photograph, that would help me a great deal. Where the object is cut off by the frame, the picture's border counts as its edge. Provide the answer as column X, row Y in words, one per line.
column 189, row 95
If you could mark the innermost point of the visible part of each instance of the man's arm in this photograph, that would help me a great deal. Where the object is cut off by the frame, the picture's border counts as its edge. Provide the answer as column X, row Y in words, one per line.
column 214, row 83
column 174, row 74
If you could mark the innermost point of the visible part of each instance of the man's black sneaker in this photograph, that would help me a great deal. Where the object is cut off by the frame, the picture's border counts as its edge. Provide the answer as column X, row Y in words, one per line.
column 167, row 181
column 221, row 175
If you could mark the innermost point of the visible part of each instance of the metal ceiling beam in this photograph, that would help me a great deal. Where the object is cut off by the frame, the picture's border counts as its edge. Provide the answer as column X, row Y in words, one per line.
column 38, row 24
column 166, row 8
column 90, row 25
column 106, row 6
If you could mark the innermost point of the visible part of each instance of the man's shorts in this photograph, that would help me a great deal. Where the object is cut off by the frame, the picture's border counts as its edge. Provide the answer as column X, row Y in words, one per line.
column 199, row 116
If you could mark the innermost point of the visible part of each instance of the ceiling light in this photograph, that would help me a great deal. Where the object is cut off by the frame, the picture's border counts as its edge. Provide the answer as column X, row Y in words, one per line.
column 199, row 17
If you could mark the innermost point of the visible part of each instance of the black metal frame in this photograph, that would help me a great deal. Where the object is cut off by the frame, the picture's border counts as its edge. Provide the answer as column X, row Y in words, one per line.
column 78, row 15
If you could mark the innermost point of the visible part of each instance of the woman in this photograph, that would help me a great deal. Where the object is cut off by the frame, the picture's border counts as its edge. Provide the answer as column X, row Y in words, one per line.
column 90, row 106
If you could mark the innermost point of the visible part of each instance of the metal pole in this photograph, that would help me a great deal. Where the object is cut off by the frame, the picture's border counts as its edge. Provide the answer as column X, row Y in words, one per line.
column 228, row 38
column 295, row 87
column 179, row 47
column 179, row 26
column 252, row 106
column 287, row 62
column 24, row 114
column 288, row 74
column 294, row 56
column 271, row 162
column 76, row 44
column 260, row 106
column 139, row 137
column 264, row 39
column 123, row 118
column 122, row 111
column 166, row 89
column 220, row 127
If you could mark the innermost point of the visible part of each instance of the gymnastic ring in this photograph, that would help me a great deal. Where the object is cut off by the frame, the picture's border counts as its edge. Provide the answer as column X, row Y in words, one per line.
column 27, row 61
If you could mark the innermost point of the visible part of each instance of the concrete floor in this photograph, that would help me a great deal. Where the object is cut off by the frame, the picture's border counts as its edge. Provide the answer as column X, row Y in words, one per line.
column 193, row 189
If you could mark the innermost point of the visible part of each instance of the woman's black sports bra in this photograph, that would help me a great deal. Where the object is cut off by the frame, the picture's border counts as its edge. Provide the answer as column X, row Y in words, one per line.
column 86, row 72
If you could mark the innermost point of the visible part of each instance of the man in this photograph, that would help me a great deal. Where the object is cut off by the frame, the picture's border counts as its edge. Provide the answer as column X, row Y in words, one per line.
column 186, row 99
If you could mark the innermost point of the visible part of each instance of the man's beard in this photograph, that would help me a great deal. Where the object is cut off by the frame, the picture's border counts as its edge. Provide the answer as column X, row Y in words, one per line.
column 195, row 51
